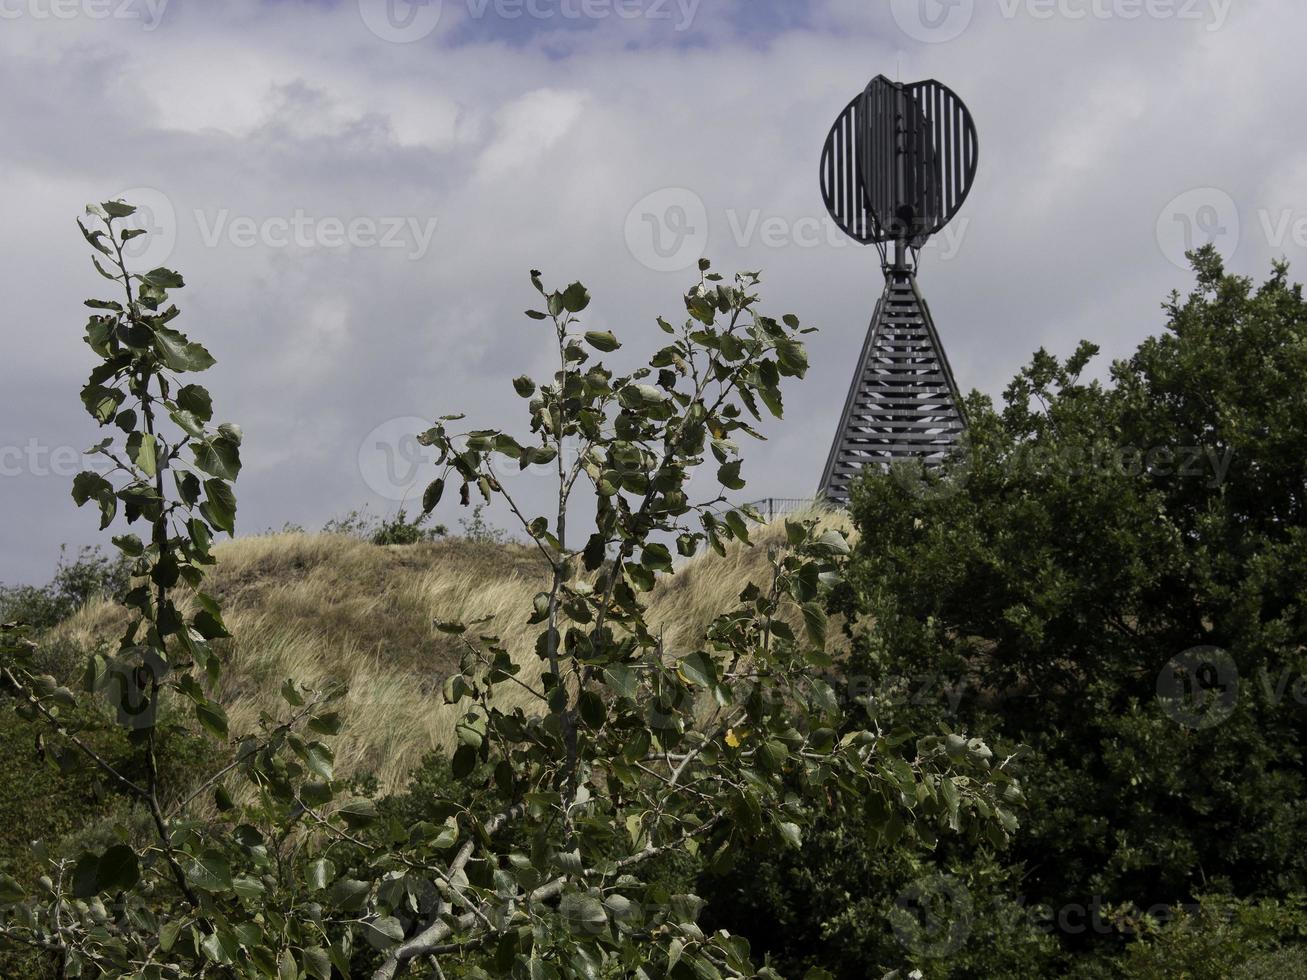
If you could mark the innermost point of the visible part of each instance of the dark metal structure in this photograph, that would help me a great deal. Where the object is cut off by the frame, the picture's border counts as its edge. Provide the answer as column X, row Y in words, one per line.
column 898, row 164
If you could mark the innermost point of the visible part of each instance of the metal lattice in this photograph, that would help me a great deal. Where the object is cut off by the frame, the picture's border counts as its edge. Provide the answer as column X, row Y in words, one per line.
column 903, row 402
column 898, row 164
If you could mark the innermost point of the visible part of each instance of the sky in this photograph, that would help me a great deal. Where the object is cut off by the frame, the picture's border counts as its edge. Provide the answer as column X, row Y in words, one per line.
column 355, row 191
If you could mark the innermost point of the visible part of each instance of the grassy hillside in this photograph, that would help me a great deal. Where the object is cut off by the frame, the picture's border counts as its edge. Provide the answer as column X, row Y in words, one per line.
column 328, row 607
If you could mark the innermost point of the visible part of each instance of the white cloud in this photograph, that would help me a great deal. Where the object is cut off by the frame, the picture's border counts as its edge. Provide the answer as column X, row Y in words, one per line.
column 529, row 150
column 524, row 130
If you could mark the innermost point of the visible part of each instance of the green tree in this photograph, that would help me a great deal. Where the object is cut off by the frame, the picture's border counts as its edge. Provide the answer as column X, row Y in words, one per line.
column 1113, row 572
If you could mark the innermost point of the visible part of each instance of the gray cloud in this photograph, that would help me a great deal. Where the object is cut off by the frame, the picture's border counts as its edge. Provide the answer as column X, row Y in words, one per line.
column 279, row 134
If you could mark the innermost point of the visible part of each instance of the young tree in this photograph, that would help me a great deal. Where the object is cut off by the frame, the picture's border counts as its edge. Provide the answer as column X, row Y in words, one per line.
column 537, row 865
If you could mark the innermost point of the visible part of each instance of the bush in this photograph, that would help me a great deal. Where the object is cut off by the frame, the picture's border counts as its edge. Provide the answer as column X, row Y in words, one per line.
column 90, row 575
column 1114, row 573
column 396, row 529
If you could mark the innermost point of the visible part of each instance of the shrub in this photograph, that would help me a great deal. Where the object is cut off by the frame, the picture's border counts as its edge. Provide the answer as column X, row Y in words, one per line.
column 1114, row 574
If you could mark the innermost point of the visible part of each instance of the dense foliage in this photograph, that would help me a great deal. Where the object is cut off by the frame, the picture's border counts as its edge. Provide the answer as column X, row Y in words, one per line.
column 547, row 851
column 1112, row 576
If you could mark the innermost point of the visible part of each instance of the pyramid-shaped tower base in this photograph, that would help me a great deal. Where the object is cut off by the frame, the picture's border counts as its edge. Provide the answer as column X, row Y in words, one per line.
column 903, row 403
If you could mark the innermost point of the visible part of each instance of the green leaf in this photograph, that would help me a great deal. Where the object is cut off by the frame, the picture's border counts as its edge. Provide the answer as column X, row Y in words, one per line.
column 454, row 688
column 180, row 354
column 524, row 386
column 814, row 621
column 220, row 457
column 250, row 889
column 348, row 893
column 471, row 730
column 320, row 873
column 326, row 724
column 359, row 812
column 576, row 298
column 115, row 870
column 129, row 544
column 602, row 341
column 163, row 278
column 212, row 716
column 463, row 762
column 622, row 679
column 583, row 913
column 196, row 400
column 728, row 475
column 790, row 833
column 317, row 964
column 699, row 669
column 210, row 872
column 92, row 486
column 118, row 209
column 101, row 402
column 94, row 238
column 219, row 508
column 146, row 455
column 384, row 932
column 168, row 933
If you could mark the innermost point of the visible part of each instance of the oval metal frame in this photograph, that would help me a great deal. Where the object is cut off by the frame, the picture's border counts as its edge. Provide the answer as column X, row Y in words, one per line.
column 883, row 180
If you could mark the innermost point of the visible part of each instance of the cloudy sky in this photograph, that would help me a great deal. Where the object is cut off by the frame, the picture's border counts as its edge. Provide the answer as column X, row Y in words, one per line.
column 355, row 190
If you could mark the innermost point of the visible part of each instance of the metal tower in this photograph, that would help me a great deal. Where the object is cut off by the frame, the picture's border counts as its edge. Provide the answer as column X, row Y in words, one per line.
column 897, row 165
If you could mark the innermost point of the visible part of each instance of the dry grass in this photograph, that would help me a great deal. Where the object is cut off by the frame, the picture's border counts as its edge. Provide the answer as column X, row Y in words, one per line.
column 326, row 608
